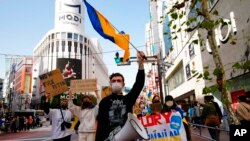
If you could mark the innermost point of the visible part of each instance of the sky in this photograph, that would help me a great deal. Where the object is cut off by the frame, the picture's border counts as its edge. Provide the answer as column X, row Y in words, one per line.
column 25, row 22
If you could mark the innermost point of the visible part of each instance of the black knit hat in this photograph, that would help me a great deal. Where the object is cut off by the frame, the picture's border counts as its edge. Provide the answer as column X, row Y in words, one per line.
column 169, row 98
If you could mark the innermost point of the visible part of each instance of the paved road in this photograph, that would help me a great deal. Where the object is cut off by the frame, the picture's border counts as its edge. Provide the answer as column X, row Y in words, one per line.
column 38, row 134
column 43, row 134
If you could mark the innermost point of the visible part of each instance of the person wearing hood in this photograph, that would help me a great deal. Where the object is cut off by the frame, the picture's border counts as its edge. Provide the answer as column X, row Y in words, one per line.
column 86, row 114
column 114, row 109
column 59, row 118
column 169, row 106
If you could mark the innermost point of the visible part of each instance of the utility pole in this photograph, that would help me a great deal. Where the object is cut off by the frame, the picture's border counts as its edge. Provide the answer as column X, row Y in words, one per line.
column 160, row 78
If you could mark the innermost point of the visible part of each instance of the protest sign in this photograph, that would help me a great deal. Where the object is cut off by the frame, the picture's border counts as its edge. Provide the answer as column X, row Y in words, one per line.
column 106, row 90
column 164, row 126
column 82, row 86
column 53, row 82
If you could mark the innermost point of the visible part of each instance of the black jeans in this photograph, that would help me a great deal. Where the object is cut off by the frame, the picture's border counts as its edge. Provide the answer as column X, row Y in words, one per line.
column 67, row 138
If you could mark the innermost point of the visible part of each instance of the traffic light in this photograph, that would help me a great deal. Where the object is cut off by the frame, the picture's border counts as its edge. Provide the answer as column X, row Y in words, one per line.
column 119, row 60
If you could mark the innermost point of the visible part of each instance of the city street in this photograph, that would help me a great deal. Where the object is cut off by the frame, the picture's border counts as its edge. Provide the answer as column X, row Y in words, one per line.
column 43, row 134
column 37, row 134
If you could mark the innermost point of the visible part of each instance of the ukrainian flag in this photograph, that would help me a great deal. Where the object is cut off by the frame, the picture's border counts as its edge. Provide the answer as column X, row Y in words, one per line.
column 107, row 31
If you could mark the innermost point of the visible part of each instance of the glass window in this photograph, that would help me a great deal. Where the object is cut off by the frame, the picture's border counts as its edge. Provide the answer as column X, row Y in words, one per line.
column 81, row 46
column 28, row 69
column 28, row 62
column 193, row 14
column 58, row 35
column 63, row 35
column 52, row 36
column 69, row 36
column 85, row 40
column 211, row 3
column 81, row 38
column 75, row 36
column 27, row 84
column 191, row 50
column 69, row 43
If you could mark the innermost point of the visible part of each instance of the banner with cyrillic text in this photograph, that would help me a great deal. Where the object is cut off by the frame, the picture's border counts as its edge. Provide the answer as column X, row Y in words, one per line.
column 164, row 126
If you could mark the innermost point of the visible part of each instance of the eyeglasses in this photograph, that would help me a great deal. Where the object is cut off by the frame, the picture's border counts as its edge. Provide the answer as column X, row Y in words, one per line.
column 116, row 80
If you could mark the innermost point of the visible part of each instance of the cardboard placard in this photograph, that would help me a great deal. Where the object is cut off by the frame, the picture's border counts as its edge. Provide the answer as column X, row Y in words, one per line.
column 53, row 82
column 82, row 86
column 106, row 90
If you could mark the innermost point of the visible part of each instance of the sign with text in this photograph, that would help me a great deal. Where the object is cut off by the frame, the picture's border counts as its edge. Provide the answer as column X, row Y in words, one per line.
column 106, row 90
column 164, row 126
column 82, row 86
column 53, row 82
column 239, row 132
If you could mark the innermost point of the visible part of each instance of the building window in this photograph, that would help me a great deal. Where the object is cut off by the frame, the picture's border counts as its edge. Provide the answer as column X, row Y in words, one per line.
column 191, row 50
column 85, row 40
column 28, row 62
column 63, row 35
column 81, row 46
column 69, row 36
column 81, row 38
column 75, row 36
column 211, row 3
column 28, row 69
column 193, row 14
column 58, row 35
column 75, row 46
column 188, row 71
column 177, row 79
column 52, row 36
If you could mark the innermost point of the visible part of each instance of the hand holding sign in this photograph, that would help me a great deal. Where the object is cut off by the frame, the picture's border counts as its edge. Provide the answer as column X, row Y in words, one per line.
column 53, row 83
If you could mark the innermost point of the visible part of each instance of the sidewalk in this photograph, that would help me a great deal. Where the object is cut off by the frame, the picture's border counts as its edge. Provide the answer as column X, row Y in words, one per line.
column 204, row 135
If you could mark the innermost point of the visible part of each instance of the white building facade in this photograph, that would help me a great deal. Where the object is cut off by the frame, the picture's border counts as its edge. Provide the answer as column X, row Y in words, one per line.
column 67, row 47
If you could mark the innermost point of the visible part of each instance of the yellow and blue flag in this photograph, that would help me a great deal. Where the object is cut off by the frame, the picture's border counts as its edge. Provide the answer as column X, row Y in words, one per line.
column 107, row 31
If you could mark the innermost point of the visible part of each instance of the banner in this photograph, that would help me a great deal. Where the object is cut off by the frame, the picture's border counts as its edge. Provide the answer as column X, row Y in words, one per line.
column 164, row 127
column 53, row 82
column 82, row 86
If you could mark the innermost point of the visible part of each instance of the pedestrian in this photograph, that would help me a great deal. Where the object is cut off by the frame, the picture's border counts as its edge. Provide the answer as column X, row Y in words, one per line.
column 243, row 111
column 211, row 118
column 114, row 109
column 30, row 122
column 86, row 115
column 60, row 117
column 197, row 114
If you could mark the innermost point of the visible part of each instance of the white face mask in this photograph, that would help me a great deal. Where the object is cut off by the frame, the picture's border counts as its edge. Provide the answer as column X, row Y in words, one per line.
column 170, row 103
column 116, row 87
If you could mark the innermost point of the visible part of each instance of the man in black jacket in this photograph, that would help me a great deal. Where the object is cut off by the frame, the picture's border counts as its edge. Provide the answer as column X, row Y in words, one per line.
column 114, row 108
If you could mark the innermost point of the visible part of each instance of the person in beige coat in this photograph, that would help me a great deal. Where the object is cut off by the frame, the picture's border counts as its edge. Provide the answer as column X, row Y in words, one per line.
column 243, row 111
column 87, row 116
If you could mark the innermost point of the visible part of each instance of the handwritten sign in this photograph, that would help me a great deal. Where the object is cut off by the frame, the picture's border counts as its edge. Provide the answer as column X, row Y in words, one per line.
column 164, row 126
column 81, row 86
column 53, row 82
column 106, row 90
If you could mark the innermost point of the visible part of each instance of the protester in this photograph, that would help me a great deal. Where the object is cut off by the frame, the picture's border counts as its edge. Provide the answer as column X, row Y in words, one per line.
column 171, row 106
column 243, row 111
column 113, row 109
column 210, row 117
column 60, row 118
column 86, row 114
column 143, row 109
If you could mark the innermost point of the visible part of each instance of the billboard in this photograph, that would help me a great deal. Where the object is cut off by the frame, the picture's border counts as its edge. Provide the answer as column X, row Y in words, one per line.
column 70, row 68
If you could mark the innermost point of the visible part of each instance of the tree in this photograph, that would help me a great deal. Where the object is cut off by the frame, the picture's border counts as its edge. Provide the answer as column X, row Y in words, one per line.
column 207, row 24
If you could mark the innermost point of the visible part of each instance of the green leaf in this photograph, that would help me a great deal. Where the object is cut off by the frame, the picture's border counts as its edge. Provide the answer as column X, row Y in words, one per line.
column 206, row 74
column 216, row 13
column 174, row 16
column 217, row 71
